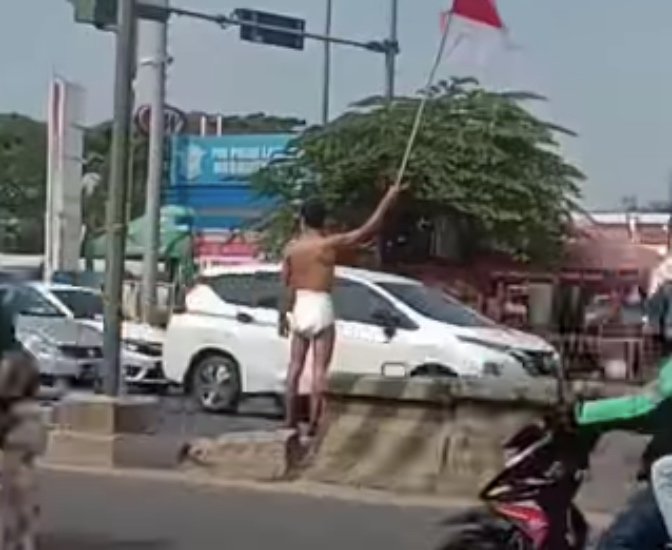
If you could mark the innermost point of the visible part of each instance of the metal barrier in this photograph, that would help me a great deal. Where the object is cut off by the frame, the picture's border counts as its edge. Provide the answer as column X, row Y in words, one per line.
column 615, row 354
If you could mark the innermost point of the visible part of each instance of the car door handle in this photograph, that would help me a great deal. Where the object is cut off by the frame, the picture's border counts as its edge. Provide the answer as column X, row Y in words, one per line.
column 245, row 318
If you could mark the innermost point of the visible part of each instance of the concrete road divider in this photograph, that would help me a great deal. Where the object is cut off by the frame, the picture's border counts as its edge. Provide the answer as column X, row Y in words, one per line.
column 100, row 431
column 432, row 436
column 259, row 456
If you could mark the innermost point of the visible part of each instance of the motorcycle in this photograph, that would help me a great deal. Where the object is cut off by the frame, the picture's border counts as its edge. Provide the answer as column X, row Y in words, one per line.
column 529, row 505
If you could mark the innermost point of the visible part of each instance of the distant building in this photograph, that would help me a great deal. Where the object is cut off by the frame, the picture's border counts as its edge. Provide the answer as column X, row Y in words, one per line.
column 649, row 229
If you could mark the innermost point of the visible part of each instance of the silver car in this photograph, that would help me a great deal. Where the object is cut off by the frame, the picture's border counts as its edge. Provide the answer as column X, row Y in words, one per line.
column 65, row 349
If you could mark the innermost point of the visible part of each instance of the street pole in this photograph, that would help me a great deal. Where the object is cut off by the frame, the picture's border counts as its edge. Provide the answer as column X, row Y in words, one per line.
column 391, row 52
column 326, row 91
column 118, row 191
column 157, row 82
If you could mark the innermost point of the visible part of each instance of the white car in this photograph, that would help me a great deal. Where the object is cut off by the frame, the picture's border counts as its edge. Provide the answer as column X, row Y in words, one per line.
column 226, row 344
column 142, row 344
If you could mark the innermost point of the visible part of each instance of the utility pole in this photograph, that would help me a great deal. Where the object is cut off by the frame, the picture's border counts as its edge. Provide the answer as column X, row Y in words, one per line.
column 157, row 81
column 326, row 92
column 391, row 51
column 118, row 190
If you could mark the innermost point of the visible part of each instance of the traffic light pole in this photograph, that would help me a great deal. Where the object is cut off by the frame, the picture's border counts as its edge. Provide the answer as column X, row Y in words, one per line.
column 227, row 20
column 117, row 192
column 326, row 90
column 157, row 67
column 391, row 52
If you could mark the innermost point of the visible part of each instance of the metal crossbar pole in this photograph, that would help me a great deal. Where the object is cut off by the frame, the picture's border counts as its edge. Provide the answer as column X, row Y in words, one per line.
column 228, row 20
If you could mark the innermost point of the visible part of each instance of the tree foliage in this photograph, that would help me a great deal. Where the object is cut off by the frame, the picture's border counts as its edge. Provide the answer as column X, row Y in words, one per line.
column 480, row 158
column 22, row 176
column 23, row 172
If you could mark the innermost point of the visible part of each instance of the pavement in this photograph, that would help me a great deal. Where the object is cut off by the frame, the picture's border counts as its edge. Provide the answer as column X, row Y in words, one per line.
column 97, row 511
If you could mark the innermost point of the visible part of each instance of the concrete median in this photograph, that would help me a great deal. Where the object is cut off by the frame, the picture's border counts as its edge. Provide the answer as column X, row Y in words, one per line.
column 438, row 436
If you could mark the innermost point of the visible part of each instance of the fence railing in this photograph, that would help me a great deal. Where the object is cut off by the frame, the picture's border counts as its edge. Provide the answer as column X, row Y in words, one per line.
column 617, row 354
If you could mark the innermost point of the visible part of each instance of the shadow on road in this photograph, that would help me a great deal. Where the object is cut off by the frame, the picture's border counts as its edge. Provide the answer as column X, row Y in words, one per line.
column 94, row 542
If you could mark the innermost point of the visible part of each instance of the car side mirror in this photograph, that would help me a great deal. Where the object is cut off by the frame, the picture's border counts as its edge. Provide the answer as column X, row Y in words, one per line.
column 388, row 321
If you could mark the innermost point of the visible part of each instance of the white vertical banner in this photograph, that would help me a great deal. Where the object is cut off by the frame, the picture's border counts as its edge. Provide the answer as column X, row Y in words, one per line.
column 63, row 217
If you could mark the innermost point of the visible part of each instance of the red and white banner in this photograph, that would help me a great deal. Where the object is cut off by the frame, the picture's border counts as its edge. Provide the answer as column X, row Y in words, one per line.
column 476, row 35
column 226, row 248
column 479, row 45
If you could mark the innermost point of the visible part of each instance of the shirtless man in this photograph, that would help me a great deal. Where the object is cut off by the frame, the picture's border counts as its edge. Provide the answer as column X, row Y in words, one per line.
column 308, row 276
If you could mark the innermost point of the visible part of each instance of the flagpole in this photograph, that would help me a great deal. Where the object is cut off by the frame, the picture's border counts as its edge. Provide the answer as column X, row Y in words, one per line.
column 425, row 98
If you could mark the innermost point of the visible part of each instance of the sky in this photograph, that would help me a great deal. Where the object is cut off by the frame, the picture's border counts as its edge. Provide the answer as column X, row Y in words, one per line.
column 603, row 64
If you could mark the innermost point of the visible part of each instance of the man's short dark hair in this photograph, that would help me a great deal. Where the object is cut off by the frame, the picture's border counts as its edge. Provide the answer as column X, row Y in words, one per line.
column 314, row 213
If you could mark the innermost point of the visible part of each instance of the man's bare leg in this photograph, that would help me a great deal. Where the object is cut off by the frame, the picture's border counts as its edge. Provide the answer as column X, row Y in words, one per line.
column 298, row 351
column 323, row 350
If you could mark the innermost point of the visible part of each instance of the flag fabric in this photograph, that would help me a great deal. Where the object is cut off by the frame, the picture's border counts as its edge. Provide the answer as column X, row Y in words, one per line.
column 477, row 37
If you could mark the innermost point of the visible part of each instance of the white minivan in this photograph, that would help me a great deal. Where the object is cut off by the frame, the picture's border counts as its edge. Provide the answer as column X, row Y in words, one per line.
column 225, row 344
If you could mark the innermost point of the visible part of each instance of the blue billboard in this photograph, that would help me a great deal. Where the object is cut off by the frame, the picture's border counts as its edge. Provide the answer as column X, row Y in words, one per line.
column 214, row 160
column 211, row 175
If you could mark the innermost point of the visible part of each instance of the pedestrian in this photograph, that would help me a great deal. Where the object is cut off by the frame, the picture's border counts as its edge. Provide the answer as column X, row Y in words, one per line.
column 308, row 277
column 22, row 438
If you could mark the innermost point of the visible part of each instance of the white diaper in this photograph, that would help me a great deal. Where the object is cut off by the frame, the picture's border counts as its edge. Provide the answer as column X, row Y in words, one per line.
column 313, row 313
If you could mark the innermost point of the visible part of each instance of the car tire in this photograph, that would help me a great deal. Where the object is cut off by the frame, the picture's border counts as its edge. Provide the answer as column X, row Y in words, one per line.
column 215, row 383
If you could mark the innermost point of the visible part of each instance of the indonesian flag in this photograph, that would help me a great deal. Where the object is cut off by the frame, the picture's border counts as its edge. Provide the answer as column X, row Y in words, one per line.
column 477, row 38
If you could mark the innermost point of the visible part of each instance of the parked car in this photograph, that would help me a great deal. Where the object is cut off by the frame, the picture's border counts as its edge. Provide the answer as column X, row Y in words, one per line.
column 142, row 344
column 225, row 343
column 65, row 350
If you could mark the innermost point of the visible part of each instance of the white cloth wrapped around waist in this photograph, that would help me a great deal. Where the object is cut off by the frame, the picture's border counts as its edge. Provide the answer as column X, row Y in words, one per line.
column 313, row 313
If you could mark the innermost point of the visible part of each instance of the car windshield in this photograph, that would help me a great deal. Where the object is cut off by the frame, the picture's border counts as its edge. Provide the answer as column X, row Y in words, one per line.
column 436, row 305
column 82, row 304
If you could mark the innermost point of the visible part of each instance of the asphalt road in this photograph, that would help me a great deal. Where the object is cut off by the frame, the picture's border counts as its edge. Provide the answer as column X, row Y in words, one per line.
column 87, row 512
column 181, row 416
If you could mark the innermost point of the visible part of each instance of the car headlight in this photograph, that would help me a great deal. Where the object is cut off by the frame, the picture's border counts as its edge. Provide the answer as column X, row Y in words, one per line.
column 497, row 357
column 130, row 346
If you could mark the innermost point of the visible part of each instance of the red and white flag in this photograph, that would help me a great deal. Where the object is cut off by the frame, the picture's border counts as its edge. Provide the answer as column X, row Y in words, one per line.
column 477, row 37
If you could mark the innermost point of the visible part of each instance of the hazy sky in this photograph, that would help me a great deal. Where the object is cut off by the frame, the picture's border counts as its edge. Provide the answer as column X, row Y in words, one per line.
column 605, row 65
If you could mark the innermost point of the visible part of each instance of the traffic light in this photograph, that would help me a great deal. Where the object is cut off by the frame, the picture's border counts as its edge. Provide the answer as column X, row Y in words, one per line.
column 250, row 30
column 99, row 13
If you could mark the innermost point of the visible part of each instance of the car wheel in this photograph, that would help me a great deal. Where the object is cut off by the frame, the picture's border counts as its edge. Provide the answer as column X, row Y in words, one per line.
column 215, row 384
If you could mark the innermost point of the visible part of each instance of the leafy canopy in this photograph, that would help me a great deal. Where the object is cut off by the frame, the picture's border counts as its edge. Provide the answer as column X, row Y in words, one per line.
column 480, row 158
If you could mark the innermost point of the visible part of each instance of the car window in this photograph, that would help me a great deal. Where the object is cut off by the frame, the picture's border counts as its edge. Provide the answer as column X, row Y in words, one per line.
column 358, row 303
column 267, row 289
column 435, row 304
column 29, row 302
column 233, row 288
column 82, row 304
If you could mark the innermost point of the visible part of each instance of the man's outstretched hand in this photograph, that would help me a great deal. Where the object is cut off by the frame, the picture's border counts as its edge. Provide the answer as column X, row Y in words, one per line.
column 396, row 188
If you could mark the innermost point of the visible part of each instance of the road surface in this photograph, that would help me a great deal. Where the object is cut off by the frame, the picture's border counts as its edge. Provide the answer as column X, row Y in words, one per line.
column 92, row 512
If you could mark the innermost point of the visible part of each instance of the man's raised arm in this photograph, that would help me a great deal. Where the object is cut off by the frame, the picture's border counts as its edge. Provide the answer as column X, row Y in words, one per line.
column 367, row 230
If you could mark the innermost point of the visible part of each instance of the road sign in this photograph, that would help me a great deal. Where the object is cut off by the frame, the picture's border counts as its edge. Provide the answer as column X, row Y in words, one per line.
column 100, row 13
column 174, row 123
column 252, row 29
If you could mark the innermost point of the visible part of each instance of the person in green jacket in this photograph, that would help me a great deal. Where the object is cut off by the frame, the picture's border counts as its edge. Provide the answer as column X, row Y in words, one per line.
column 640, row 525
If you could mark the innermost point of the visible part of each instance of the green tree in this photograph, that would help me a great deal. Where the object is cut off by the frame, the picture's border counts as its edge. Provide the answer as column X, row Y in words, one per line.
column 480, row 160
column 23, row 168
